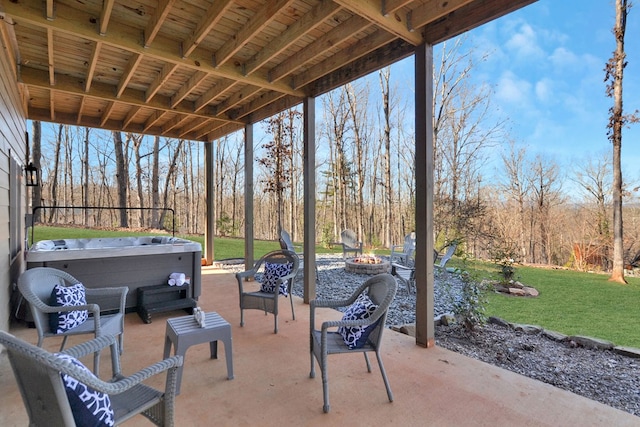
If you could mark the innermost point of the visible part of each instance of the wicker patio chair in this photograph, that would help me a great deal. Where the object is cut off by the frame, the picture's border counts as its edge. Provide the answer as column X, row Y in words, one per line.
column 38, row 375
column 286, row 243
column 381, row 289
column 404, row 254
column 350, row 243
column 279, row 269
column 36, row 285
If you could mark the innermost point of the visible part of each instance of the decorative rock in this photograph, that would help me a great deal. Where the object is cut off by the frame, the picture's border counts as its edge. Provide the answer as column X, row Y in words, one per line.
column 516, row 284
column 555, row 336
column 531, row 292
column 447, row 320
column 517, row 292
column 627, row 351
column 527, row 329
column 499, row 321
column 590, row 342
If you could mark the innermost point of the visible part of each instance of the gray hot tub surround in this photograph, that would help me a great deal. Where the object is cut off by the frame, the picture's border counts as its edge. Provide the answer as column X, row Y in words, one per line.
column 121, row 261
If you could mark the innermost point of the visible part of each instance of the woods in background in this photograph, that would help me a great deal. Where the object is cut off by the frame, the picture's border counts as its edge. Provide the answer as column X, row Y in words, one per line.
column 528, row 207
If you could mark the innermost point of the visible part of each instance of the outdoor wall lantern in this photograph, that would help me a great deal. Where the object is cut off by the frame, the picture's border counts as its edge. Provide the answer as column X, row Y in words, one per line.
column 32, row 174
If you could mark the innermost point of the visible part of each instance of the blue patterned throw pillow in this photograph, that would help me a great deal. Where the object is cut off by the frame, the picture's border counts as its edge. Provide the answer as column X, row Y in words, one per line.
column 272, row 272
column 356, row 336
column 65, row 296
column 90, row 408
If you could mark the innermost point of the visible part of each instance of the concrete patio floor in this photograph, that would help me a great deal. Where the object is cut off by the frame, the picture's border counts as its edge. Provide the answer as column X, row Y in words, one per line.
column 432, row 387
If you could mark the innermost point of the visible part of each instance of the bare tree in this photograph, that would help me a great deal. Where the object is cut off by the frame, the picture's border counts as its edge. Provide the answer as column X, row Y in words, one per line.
column 593, row 177
column 122, row 177
column 614, row 73
column 36, row 154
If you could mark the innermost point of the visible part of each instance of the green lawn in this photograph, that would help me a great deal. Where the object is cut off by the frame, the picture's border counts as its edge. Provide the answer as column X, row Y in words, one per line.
column 570, row 302
column 224, row 247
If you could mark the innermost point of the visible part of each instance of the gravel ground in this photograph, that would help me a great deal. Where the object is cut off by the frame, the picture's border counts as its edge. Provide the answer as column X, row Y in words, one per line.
column 600, row 375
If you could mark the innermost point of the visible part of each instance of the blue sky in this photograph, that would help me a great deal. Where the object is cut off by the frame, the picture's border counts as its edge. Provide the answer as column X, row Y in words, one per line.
column 546, row 68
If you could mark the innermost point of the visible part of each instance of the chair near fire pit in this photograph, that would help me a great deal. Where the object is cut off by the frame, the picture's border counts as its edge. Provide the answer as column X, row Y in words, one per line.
column 350, row 244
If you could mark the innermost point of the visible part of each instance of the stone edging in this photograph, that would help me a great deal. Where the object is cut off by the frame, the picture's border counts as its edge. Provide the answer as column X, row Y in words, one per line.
column 573, row 340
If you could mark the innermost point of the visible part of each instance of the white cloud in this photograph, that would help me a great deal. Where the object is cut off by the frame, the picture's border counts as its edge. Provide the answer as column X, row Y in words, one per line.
column 524, row 43
column 544, row 90
column 513, row 90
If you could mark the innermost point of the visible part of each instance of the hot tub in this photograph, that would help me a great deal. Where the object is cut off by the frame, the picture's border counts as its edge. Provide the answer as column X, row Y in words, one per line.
column 121, row 261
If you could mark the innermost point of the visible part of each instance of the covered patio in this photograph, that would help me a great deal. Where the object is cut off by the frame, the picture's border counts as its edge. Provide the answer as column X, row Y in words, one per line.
column 272, row 385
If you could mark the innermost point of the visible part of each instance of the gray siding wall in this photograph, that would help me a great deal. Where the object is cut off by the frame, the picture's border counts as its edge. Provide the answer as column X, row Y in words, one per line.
column 12, row 146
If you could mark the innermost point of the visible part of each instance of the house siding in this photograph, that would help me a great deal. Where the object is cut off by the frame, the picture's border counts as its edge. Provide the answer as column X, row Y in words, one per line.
column 12, row 146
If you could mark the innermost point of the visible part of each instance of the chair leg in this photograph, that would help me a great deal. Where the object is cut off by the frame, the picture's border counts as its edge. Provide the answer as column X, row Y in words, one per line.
column 241, row 317
column 325, row 385
column 275, row 322
column 293, row 313
column 366, row 358
column 312, row 373
column 384, row 377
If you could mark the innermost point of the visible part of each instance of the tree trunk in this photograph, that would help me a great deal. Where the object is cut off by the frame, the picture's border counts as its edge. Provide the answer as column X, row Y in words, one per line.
column 122, row 177
column 36, row 144
column 617, row 64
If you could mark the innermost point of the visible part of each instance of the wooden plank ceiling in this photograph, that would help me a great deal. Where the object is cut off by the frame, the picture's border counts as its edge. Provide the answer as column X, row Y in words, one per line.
column 200, row 69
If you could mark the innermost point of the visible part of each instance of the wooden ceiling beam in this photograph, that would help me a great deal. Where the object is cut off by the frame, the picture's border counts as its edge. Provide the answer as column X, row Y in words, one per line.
column 330, row 40
column 105, row 92
column 49, row 10
column 381, row 57
column 323, row 11
column 345, row 56
column 432, row 11
column 193, row 82
column 236, row 98
column 50, row 58
column 214, row 92
column 373, row 11
column 107, row 112
column 256, row 104
column 194, row 124
column 255, row 24
column 77, row 23
column 52, row 106
column 153, row 119
column 469, row 17
column 390, row 6
column 80, row 108
column 130, row 116
column 107, row 8
column 165, row 74
column 10, row 41
column 128, row 73
column 175, row 122
column 93, row 61
column 213, row 16
column 156, row 20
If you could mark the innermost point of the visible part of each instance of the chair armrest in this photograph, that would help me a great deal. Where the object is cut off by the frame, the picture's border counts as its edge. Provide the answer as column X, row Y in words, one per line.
column 396, row 266
column 122, row 384
column 86, row 348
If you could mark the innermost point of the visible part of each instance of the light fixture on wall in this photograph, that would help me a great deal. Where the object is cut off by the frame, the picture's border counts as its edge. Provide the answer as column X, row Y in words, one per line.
column 32, row 175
